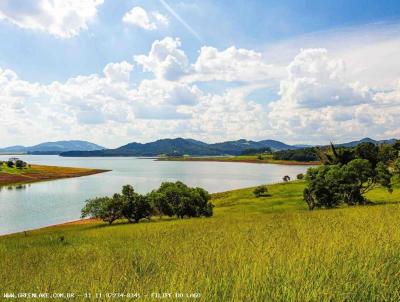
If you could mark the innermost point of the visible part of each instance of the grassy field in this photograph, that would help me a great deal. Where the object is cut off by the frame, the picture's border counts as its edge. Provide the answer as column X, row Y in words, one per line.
column 266, row 249
column 33, row 173
column 265, row 159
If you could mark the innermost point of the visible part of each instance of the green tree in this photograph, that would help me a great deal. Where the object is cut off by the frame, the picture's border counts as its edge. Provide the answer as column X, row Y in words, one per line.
column 330, row 185
column 135, row 206
column 202, row 202
column 159, row 204
column 356, row 179
column 322, row 187
column 396, row 145
column 104, row 208
column 387, row 153
column 368, row 151
column 334, row 156
column 183, row 200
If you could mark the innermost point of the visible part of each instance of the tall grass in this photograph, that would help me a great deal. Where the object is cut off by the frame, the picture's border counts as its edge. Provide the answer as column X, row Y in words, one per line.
column 264, row 249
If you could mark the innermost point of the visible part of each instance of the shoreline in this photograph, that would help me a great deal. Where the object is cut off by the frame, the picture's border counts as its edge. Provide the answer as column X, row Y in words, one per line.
column 233, row 160
column 39, row 173
column 94, row 220
column 80, row 172
column 72, row 222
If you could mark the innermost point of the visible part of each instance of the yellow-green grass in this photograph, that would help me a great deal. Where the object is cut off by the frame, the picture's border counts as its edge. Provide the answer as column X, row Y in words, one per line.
column 34, row 173
column 253, row 249
column 264, row 159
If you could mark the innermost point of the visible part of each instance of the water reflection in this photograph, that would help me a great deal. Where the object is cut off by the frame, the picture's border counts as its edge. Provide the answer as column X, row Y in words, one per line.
column 15, row 187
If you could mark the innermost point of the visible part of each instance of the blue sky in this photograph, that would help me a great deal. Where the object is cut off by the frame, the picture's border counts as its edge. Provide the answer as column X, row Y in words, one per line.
column 40, row 57
column 299, row 71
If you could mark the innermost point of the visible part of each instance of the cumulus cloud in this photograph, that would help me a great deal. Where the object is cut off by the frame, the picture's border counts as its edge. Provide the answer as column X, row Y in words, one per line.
column 138, row 16
column 165, row 59
column 390, row 97
column 168, row 61
column 315, row 80
column 61, row 18
column 94, row 103
column 118, row 72
column 318, row 103
column 232, row 64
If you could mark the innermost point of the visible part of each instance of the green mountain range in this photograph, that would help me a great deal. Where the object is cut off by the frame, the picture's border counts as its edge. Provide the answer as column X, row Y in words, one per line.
column 181, row 146
column 53, row 147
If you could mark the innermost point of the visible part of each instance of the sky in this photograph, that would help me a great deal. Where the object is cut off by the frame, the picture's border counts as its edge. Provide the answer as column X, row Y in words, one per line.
column 118, row 71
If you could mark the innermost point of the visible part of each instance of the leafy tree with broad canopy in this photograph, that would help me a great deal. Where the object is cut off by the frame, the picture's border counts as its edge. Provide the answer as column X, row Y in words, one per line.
column 169, row 199
column 347, row 175
column 134, row 205
column 180, row 200
column 104, row 208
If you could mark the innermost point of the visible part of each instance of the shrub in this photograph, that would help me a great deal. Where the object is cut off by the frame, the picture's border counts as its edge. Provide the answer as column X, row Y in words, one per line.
column 20, row 164
column 300, row 176
column 286, row 178
column 260, row 191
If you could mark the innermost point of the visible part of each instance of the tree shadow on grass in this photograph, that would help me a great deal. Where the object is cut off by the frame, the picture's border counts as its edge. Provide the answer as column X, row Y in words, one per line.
column 381, row 203
column 100, row 224
column 264, row 195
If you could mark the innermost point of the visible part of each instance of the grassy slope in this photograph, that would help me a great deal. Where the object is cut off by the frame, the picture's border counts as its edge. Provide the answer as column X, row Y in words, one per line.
column 267, row 159
column 33, row 173
column 266, row 249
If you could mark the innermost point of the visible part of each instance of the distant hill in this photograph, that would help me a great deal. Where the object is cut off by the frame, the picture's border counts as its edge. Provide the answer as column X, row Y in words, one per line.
column 181, row 146
column 367, row 140
column 53, row 147
column 277, row 145
column 171, row 147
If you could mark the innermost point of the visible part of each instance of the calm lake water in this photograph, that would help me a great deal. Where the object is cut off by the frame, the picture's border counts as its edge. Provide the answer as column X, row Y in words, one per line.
column 45, row 203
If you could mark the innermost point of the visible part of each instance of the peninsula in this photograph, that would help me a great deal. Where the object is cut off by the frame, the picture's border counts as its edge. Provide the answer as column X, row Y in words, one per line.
column 16, row 171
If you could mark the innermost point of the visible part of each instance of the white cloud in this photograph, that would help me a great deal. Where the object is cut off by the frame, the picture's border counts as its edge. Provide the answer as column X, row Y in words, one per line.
column 318, row 101
column 165, row 59
column 318, row 104
column 161, row 19
column 61, row 18
column 389, row 98
column 316, row 80
column 164, row 92
column 118, row 72
column 138, row 16
column 370, row 51
column 232, row 64
column 168, row 61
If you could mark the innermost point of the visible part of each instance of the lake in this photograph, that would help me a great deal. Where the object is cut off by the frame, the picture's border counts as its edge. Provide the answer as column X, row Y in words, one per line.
column 41, row 204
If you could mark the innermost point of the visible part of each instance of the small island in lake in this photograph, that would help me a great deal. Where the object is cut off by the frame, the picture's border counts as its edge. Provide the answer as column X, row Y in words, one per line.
column 16, row 171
